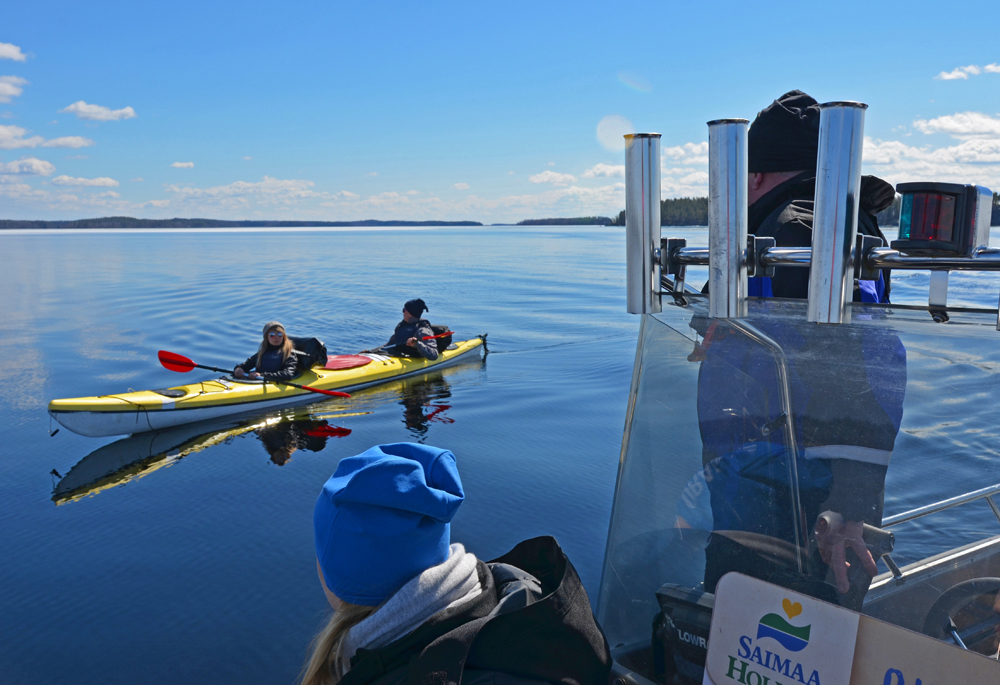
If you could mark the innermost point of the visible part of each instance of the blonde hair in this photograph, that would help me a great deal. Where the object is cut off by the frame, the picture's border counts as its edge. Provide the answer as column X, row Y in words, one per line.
column 286, row 345
column 326, row 664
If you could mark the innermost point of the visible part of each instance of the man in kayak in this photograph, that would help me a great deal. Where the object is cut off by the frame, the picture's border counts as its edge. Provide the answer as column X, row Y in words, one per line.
column 408, row 338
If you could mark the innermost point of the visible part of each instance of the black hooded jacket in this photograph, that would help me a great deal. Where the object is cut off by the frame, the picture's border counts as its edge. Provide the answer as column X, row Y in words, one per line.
column 786, row 214
column 531, row 624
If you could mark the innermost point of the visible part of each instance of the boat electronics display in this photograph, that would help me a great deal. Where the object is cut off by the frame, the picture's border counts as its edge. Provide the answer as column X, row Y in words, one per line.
column 943, row 218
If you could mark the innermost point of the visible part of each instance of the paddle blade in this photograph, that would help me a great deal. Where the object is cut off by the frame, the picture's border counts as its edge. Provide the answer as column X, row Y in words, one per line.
column 175, row 362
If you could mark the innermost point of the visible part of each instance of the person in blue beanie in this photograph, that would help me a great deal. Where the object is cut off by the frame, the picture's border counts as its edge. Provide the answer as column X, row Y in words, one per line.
column 410, row 605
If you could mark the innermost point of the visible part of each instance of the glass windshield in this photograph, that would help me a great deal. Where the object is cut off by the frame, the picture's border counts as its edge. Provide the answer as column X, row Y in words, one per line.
column 785, row 450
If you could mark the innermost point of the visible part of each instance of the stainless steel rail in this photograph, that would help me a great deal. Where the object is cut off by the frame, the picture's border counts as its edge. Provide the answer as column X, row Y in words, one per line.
column 876, row 258
column 984, row 493
column 887, row 258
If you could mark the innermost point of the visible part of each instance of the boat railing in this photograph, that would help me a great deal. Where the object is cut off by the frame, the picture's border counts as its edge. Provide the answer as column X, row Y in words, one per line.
column 984, row 493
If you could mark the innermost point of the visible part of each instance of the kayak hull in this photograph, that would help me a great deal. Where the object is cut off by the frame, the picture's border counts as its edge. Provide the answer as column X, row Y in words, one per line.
column 147, row 410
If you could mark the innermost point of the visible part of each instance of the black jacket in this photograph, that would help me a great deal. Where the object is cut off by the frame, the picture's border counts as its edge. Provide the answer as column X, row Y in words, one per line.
column 531, row 624
column 786, row 214
column 288, row 370
column 404, row 331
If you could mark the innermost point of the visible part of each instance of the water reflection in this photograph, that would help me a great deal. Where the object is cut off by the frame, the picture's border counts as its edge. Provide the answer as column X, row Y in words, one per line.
column 425, row 401
column 283, row 439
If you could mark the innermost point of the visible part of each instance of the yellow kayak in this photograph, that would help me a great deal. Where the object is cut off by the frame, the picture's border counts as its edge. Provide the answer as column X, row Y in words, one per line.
column 146, row 410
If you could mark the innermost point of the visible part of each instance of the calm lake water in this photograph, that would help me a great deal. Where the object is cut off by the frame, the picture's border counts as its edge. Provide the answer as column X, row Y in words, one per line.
column 194, row 562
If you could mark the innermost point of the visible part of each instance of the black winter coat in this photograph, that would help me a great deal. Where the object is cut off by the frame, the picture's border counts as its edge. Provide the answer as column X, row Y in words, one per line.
column 287, row 371
column 418, row 329
column 786, row 214
column 531, row 624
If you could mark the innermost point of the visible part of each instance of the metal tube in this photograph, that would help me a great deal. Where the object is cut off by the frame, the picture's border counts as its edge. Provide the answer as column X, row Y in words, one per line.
column 692, row 256
column 642, row 222
column 984, row 260
column 838, row 186
column 787, row 256
column 940, row 506
column 727, row 218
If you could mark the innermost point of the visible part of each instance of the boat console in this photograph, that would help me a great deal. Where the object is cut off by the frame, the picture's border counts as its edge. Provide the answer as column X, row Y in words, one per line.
column 762, row 432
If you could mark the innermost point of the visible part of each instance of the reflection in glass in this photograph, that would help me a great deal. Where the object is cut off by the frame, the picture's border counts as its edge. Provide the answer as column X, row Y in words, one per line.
column 790, row 452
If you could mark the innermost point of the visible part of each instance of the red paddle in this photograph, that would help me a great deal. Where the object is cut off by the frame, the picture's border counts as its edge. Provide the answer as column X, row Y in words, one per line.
column 431, row 337
column 176, row 362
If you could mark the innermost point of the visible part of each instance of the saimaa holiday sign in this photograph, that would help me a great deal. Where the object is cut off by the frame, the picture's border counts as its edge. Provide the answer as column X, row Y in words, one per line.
column 763, row 634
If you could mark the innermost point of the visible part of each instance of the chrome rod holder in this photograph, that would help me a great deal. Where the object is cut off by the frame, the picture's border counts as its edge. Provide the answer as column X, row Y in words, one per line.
column 727, row 218
column 642, row 222
column 835, row 219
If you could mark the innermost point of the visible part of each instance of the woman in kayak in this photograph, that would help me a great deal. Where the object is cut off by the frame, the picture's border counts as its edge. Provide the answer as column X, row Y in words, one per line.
column 273, row 360
column 409, row 605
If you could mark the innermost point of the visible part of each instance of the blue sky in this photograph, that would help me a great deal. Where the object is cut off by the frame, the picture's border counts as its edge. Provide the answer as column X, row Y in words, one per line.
column 394, row 110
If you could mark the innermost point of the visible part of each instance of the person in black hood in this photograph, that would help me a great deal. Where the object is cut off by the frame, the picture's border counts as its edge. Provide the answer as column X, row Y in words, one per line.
column 408, row 338
column 783, row 144
column 845, row 388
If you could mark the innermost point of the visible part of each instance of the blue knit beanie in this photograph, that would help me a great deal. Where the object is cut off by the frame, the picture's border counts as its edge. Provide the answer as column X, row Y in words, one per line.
column 384, row 517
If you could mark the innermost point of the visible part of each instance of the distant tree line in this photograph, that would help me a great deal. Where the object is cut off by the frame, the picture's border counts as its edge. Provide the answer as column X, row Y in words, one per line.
column 578, row 221
column 131, row 222
column 679, row 211
column 693, row 211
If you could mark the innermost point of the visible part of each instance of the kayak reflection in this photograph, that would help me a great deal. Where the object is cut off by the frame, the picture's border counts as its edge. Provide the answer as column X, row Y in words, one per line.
column 139, row 455
column 283, row 439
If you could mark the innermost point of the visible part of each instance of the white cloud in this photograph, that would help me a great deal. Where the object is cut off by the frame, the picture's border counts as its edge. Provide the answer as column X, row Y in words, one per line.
column 270, row 191
column 9, row 51
column 412, row 192
column 69, row 141
column 29, row 166
column 6, row 115
column 11, row 87
column 98, row 112
column 461, row 186
column 78, row 157
column 553, row 177
column 992, row 68
column 137, row 179
column 611, row 131
column 156, row 203
column 688, row 153
column 552, row 163
column 109, row 193
column 13, row 138
column 102, row 182
column 373, row 174
column 606, row 171
column 971, row 161
column 963, row 125
column 183, row 165
column 959, row 73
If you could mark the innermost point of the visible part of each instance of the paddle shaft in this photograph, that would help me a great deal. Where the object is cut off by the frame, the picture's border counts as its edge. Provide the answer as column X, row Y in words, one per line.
column 333, row 393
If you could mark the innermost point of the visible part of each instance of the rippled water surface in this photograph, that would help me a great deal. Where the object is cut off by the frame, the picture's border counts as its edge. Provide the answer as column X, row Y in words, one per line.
column 186, row 556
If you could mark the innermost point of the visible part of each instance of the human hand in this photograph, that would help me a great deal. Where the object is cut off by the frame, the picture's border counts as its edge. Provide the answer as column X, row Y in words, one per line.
column 239, row 372
column 834, row 536
column 412, row 342
column 254, row 375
